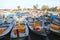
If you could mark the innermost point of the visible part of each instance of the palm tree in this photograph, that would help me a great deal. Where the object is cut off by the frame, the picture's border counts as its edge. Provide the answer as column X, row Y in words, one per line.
column 45, row 8
column 54, row 9
column 35, row 6
column 18, row 7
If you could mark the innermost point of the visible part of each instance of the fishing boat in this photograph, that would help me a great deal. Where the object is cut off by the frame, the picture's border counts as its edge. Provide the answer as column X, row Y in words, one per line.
column 37, row 27
column 5, row 28
column 55, row 26
column 20, row 30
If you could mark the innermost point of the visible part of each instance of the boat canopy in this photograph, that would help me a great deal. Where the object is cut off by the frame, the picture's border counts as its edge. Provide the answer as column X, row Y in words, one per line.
column 53, row 16
column 11, row 15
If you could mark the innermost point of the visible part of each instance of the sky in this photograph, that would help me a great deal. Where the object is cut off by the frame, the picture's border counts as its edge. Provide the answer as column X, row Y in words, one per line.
column 27, row 3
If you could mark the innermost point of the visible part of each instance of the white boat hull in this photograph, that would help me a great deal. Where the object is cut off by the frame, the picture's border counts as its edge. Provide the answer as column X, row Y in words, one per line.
column 21, row 35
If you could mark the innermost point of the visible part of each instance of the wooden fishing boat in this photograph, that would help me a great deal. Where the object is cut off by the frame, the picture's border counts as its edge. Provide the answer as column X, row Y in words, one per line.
column 55, row 26
column 37, row 27
column 20, row 30
column 5, row 29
